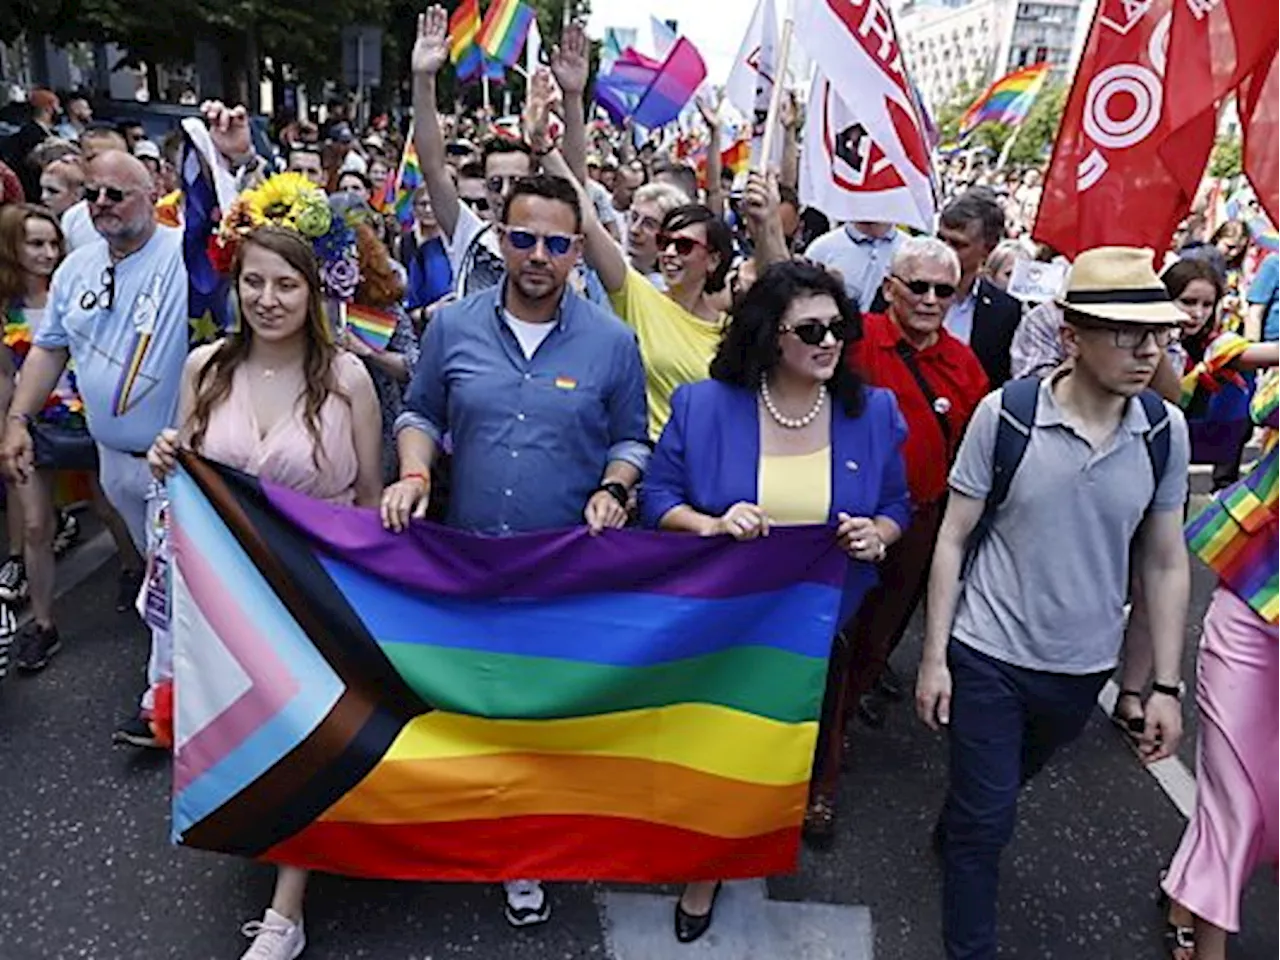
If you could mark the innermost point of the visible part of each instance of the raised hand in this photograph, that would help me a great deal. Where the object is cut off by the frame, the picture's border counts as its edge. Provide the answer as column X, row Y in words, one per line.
column 570, row 60
column 760, row 199
column 709, row 112
column 228, row 128
column 537, row 111
column 431, row 49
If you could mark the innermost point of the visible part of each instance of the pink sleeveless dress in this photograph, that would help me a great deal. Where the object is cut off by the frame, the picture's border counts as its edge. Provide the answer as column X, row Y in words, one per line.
column 283, row 454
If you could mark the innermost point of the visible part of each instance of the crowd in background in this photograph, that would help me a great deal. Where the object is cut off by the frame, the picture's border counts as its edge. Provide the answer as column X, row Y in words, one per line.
column 728, row 352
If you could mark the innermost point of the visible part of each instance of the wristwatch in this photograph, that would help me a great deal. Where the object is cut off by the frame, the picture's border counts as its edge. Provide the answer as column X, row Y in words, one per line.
column 616, row 490
column 1169, row 689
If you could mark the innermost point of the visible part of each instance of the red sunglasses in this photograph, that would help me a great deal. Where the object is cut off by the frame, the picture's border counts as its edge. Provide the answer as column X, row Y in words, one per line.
column 684, row 245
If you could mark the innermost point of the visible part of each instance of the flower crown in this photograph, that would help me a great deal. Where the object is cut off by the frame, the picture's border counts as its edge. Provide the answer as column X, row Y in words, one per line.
column 291, row 201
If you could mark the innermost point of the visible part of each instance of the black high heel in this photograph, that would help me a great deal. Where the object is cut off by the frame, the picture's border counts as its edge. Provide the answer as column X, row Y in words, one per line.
column 689, row 927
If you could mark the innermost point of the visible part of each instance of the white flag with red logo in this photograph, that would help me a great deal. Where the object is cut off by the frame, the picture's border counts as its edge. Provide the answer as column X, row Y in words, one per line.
column 1216, row 48
column 750, row 86
column 1109, row 184
column 846, row 174
column 873, row 157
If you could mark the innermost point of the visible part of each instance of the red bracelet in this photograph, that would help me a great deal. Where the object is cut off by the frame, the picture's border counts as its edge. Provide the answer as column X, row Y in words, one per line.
column 426, row 481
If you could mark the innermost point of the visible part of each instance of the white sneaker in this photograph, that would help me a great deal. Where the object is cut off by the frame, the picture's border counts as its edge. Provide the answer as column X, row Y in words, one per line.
column 527, row 904
column 274, row 938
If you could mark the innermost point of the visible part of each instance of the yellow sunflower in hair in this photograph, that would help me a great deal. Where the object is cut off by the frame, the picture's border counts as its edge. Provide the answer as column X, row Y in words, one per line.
column 282, row 198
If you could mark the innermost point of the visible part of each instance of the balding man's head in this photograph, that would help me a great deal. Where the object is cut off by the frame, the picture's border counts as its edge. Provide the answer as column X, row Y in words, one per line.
column 100, row 140
column 121, row 195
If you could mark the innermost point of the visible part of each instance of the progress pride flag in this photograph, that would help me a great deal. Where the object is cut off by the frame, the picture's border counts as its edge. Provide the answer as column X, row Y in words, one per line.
column 1109, row 182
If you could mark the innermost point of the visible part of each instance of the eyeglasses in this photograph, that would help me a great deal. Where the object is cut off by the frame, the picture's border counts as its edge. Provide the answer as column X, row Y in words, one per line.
column 104, row 298
column 557, row 244
column 499, row 184
column 1131, row 337
column 640, row 220
column 814, row 333
column 919, row 288
column 684, row 245
column 114, row 194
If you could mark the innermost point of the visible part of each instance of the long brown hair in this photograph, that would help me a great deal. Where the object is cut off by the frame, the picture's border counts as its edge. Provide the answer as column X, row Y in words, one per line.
column 13, row 234
column 213, row 382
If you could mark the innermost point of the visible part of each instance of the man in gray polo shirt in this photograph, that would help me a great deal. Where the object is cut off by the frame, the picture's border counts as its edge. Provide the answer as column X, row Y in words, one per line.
column 1016, row 654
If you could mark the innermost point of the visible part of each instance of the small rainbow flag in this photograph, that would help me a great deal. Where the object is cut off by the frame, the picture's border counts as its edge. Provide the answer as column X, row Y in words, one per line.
column 407, row 180
column 1264, row 235
column 464, row 26
column 1006, row 101
column 504, row 30
column 371, row 325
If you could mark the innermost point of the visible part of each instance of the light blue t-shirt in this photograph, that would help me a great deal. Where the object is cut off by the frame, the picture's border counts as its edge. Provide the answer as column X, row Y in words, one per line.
column 128, row 355
column 1263, row 290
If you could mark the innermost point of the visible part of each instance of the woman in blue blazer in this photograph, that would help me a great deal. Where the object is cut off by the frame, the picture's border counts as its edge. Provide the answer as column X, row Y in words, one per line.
column 782, row 433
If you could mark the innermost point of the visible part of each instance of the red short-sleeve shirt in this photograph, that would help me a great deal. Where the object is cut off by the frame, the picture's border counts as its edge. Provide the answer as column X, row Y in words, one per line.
column 957, row 379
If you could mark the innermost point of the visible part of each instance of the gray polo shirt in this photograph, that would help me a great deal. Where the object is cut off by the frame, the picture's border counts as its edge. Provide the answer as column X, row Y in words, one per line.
column 1048, row 587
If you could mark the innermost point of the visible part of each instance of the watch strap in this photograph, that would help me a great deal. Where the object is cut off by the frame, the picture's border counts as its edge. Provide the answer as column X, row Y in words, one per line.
column 614, row 489
column 1168, row 689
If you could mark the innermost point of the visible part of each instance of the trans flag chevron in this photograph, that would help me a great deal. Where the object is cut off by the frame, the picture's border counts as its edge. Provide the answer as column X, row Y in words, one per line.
column 435, row 705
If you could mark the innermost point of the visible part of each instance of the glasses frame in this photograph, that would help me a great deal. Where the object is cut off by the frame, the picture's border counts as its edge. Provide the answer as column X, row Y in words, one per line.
column 106, row 297
column 549, row 241
column 115, row 195
column 1160, row 336
column 667, row 240
column 937, row 288
column 841, row 329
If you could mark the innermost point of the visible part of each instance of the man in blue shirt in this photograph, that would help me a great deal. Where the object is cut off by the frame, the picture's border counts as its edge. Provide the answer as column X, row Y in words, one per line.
column 118, row 311
column 542, row 396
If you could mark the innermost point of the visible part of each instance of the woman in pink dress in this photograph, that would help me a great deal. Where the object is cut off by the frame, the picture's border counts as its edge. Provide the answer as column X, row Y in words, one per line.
column 278, row 400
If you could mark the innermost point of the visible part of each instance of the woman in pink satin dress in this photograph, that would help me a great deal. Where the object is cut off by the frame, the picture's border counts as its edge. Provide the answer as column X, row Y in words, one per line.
column 277, row 399
column 1234, row 829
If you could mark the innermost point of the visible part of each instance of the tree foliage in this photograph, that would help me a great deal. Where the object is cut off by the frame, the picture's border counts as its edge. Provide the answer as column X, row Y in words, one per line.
column 1226, row 159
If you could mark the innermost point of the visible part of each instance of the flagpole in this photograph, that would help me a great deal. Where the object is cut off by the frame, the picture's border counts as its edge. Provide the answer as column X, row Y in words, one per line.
column 775, row 99
column 484, row 84
column 1008, row 148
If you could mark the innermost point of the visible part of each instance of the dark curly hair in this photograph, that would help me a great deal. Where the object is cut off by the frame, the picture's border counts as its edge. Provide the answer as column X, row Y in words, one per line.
column 719, row 238
column 750, row 348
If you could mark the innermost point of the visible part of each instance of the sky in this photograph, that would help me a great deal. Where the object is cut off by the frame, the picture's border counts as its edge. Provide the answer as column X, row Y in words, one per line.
column 715, row 27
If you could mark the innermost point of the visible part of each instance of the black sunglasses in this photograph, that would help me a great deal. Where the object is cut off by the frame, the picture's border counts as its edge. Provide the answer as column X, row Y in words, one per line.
column 478, row 204
column 920, row 287
column 114, row 194
column 814, row 333
column 557, row 244
column 103, row 299
column 499, row 184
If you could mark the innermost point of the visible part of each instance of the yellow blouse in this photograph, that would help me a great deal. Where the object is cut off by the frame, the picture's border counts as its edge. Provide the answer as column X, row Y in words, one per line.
column 796, row 489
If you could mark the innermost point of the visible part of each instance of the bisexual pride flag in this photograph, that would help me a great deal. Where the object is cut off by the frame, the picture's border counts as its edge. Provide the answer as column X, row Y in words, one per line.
column 436, row 705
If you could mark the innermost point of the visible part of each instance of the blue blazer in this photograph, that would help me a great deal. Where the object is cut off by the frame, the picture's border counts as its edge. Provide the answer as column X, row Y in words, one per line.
column 708, row 458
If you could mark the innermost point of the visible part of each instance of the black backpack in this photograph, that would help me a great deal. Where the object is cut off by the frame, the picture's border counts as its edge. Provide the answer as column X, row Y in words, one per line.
column 1018, row 400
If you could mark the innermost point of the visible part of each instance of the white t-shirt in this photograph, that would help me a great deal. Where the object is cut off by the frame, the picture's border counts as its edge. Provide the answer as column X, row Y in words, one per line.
column 77, row 226
column 530, row 335
column 465, row 232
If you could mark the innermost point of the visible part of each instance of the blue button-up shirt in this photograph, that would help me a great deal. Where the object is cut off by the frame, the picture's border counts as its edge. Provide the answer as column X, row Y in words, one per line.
column 531, row 437
column 863, row 260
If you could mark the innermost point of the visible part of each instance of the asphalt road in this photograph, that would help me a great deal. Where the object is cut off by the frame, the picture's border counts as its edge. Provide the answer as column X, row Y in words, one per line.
column 89, row 873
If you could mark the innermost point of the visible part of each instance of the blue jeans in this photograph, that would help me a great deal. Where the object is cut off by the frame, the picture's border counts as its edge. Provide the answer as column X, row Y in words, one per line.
column 1006, row 722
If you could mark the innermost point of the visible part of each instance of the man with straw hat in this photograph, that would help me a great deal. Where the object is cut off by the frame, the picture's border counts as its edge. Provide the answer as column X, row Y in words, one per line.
column 1058, row 486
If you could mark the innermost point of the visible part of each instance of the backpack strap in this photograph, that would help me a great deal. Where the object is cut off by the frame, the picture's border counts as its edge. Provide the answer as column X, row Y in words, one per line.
column 1158, row 436
column 1018, row 400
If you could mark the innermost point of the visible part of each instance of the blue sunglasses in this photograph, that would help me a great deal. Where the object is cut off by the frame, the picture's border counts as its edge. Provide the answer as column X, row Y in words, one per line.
column 557, row 244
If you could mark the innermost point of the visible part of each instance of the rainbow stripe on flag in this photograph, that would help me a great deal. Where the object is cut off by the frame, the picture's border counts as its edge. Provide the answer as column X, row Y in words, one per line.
column 371, row 325
column 505, row 28
column 437, row 705
column 464, row 52
column 1006, row 101
column 408, row 179
column 1236, row 533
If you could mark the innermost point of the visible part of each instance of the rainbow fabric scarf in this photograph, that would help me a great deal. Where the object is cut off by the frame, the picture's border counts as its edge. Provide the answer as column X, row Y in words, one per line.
column 635, row 706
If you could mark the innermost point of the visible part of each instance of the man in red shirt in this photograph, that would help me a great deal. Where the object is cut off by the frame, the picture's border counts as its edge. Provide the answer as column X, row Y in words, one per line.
column 10, row 186
column 938, row 382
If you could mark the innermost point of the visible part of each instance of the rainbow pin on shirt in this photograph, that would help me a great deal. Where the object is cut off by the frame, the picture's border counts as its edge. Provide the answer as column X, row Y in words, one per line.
column 566, row 383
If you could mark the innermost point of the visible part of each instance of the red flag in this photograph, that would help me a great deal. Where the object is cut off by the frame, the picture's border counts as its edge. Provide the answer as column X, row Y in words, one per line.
column 1108, row 183
column 1216, row 48
column 1259, row 105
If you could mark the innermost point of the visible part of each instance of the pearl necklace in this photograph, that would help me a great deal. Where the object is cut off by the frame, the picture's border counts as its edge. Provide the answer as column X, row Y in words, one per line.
column 788, row 422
